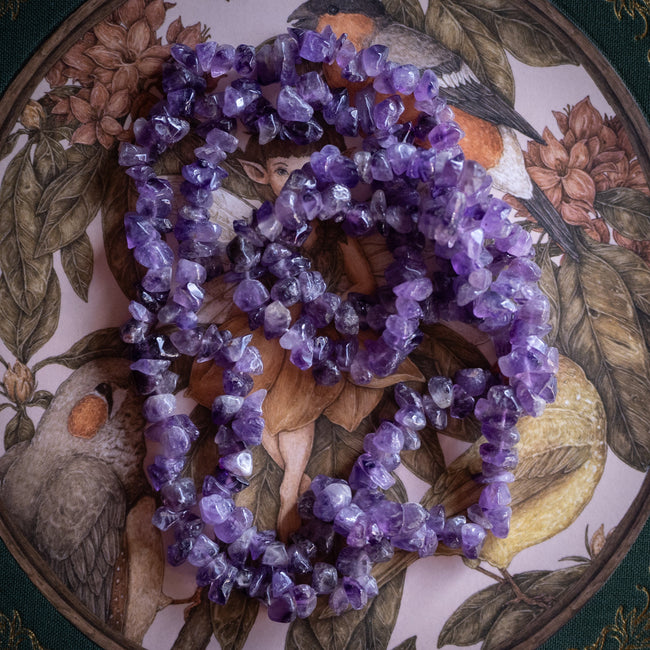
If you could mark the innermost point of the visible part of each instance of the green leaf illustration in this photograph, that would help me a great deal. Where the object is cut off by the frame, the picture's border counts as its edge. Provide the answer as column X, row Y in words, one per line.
column 407, row 12
column 71, row 201
column 601, row 331
column 461, row 31
column 77, row 260
column 19, row 429
column 100, row 343
column 25, row 333
column 125, row 269
column 26, row 276
column 626, row 210
column 49, row 158
column 520, row 33
column 472, row 621
column 408, row 644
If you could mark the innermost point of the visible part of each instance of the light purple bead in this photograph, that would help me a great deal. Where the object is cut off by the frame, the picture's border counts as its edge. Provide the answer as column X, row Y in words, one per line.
column 158, row 407
column 215, row 508
column 229, row 530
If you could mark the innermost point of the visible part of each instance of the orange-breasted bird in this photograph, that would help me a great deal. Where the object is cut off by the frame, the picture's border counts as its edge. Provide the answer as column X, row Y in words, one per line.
column 484, row 115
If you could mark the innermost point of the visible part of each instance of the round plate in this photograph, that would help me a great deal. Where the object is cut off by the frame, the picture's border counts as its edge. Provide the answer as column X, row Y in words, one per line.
column 75, row 509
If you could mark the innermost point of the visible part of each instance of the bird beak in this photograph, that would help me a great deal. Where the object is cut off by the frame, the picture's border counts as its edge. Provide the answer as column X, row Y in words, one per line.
column 303, row 17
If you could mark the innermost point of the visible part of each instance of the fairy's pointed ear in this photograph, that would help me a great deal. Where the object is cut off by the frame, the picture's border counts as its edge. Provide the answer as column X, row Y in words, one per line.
column 255, row 171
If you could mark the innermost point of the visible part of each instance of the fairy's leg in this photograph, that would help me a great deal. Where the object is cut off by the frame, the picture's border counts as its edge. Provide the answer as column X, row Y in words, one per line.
column 295, row 449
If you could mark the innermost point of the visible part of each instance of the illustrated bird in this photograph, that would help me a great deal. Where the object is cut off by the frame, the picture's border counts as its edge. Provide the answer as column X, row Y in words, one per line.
column 562, row 456
column 487, row 119
column 70, row 487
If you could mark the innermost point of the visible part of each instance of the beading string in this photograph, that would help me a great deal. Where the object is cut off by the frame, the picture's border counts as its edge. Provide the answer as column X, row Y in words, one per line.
column 422, row 195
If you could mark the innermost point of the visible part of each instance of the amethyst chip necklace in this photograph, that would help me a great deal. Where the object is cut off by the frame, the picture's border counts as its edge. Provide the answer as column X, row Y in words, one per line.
column 417, row 190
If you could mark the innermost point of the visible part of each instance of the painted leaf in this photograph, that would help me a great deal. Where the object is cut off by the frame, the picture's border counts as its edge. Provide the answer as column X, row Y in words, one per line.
column 548, row 284
column 71, row 201
column 39, row 327
column 407, row 12
column 19, row 429
column 26, row 275
column 123, row 266
column 520, row 33
column 408, row 644
column 77, row 261
column 196, row 632
column 49, row 159
column 626, row 210
column 514, row 618
column 100, row 343
column 233, row 621
column 9, row 144
column 459, row 30
column 41, row 398
column 262, row 496
column 601, row 331
column 367, row 628
column 25, row 333
column 513, row 622
column 472, row 621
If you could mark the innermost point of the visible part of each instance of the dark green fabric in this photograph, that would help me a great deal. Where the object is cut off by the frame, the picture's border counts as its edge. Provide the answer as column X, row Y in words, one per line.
column 617, row 40
column 24, row 25
column 33, row 21
column 17, row 593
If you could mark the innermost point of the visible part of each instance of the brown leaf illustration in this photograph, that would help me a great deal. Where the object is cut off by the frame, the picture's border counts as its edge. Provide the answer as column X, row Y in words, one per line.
column 601, row 330
column 202, row 458
column 407, row 12
column 26, row 275
column 626, row 210
column 471, row 622
column 262, row 496
column 407, row 644
column 100, row 343
column 77, row 261
column 520, row 33
column 459, row 30
column 72, row 200
column 49, row 158
column 514, row 618
column 25, row 333
column 19, row 429
column 196, row 632
column 10, row 142
column 233, row 621
column 512, row 623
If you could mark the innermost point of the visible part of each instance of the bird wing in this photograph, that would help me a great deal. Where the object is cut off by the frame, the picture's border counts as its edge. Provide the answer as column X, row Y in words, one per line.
column 10, row 456
column 79, row 526
column 458, row 84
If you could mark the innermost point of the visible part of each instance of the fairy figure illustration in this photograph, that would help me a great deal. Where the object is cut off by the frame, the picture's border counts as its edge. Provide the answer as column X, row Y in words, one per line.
column 294, row 400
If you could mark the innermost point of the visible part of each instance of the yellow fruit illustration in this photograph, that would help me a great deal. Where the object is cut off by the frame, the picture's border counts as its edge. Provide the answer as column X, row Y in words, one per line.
column 561, row 459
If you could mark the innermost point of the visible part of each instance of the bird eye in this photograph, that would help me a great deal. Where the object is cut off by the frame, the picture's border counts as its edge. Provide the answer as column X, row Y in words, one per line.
column 106, row 390
column 332, row 10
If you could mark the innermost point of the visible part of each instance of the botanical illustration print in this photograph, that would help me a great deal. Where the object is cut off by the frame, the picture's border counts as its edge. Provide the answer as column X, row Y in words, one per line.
column 71, row 476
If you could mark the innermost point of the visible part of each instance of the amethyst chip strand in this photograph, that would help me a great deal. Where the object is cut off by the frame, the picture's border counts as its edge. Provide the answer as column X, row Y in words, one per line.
column 421, row 198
